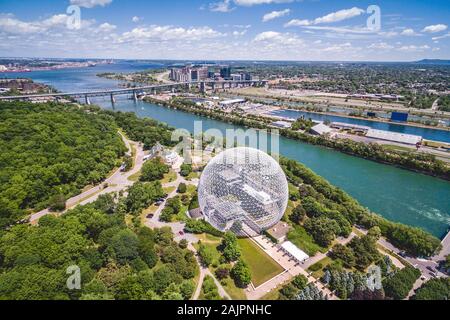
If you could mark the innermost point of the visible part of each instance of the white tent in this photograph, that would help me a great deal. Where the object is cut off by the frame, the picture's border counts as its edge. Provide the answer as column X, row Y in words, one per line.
column 294, row 251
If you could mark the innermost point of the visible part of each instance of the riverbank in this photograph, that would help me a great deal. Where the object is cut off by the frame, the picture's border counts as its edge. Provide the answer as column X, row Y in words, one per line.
column 383, row 120
column 426, row 164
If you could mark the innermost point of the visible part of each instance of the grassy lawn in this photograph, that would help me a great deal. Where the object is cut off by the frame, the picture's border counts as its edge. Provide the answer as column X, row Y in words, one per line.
column 262, row 266
column 211, row 246
column 169, row 190
column 193, row 175
column 234, row 292
column 150, row 210
column 135, row 177
column 304, row 241
column 398, row 148
column 169, row 177
column 320, row 265
column 212, row 242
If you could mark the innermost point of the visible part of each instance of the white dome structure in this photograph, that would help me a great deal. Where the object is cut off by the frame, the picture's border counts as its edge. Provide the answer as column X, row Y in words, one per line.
column 243, row 190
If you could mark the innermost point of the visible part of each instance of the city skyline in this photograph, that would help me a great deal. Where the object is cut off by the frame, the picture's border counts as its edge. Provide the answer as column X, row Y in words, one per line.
column 226, row 30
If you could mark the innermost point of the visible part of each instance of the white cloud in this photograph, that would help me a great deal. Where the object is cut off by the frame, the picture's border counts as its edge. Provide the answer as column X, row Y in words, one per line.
column 447, row 35
column 165, row 33
column 435, row 28
column 239, row 33
column 329, row 18
column 275, row 14
column 408, row 32
column 413, row 48
column 278, row 38
column 8, row 23
column 380, row 46
column 90, row 3
column 249, row 3
column 223, row 6
column 135, row 19
column 297, row 23
column 106, row 27
column 339, row 15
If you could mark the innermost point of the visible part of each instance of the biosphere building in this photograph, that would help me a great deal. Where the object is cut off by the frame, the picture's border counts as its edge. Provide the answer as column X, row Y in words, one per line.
column 243, row 190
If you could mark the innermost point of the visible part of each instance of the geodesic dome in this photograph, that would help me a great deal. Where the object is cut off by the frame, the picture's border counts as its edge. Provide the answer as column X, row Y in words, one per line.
column 243, row 190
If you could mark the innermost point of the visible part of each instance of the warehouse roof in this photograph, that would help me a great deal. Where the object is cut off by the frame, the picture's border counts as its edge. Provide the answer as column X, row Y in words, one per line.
column 393, row 136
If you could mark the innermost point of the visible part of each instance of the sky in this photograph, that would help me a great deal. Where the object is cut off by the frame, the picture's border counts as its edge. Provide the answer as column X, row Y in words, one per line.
column 303, row 30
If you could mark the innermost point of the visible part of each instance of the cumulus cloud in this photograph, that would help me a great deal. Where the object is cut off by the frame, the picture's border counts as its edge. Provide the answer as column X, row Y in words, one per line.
column 90, row 3
column 278, row 38
column 339, row 15
column 297, row 23
column 10, row 24
column 275, row 14
column 224, row 6
column 249, row 3
column 165, row 33
column 408, row 32
column 106, row 27
column 435, row 28
column 329, row 18
column 135, row 19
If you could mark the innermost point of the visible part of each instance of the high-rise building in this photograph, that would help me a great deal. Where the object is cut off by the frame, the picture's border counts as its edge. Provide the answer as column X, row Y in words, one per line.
column 225, row 72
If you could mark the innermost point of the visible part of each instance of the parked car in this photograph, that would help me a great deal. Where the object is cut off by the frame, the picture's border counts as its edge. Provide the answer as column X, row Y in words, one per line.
column 431, row 269
column 150, row 216
column 181, row 233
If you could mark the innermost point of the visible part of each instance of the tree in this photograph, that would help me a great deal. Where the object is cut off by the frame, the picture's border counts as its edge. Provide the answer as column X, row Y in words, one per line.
column 185, row 169
column 141, row 195
column 230, row 248
column 57, row 203
column 241, row 274
column 434, row 289
column 209, row 289
column 130, row 289
column 364, row 250
column 182, row 188
column 187, row 289
column 400, row 284
column 375, row 233
column 345, row 254
column 322, row 229
column 300, row 281
column 222, row 273
column 153, row 170
column 206, row 255
column 298, row 214
column 124, row 246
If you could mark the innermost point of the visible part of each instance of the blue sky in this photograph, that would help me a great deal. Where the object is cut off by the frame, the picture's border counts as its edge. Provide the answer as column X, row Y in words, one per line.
column 227, row 29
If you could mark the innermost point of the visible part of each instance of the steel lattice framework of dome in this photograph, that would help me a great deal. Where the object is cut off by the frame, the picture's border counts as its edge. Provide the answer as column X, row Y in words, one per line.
column 243, row 190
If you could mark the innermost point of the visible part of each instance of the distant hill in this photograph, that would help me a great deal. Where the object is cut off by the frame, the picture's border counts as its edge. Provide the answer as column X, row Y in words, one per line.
column 432, row 61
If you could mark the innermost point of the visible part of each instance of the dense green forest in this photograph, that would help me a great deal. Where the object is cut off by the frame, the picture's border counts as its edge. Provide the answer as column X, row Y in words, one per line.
column 51, row 151
column 116, row 260
column 48, row 150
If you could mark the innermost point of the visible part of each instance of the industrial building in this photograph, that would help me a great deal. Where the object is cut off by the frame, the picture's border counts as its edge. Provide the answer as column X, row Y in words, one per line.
column 321, row 129
column 394, row 136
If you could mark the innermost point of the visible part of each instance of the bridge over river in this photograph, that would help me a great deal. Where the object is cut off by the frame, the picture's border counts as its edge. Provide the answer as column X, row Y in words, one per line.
column 136, row 91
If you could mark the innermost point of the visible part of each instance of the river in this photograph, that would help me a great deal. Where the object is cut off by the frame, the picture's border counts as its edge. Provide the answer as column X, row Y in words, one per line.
column 396, row 194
